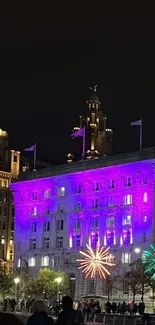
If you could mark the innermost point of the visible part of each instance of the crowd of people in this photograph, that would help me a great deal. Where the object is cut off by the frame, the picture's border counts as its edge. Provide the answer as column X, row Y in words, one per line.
column 94, row 307
column 67, row 316
column 8, row 305
column 64, row 313
column 11, row 305
column 87, row 307
column 123, row 308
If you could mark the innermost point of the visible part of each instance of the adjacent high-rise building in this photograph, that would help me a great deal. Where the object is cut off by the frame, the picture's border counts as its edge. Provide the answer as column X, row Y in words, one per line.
column 98, row 136
column 108, row 201
column 9, row 169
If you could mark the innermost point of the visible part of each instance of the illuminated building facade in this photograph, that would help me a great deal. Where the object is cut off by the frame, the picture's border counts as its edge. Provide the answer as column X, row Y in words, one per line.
column 9, row 169
column 98, row 136
column 108, row 201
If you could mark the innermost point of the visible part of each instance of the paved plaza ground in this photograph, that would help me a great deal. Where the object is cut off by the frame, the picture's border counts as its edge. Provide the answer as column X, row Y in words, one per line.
column 21, row 319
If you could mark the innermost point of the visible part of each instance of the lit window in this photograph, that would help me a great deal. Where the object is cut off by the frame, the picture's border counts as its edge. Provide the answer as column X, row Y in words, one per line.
column 45, row 261
column 19, row 262
column 144, row 218
column 47, row 194
column 145, row 197
column 110, row 238
column 79, row 189
column 126, row 237
column 31, row 261
column 78, row 206
column 62, row 191
column 95, row 222
column 110, row 222
column 94, row 240
column 2, row 240
column 46, row 243
column 128, row 199
column 11, row 240
column 143, row 256
column 127, row 220
column 77, row 241
column 96, row 186
column 96, row 203
column 5, row 183
column 34, row 211
column 59, row 242
column 111, row 201
column 60, row 224
column 77, row 223
column 126, row 258
column 52, row 263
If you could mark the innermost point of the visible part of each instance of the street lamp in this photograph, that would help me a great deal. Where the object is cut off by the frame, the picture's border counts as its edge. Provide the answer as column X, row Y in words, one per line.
column 16, row 281
column 58, row 280
column 137, row 250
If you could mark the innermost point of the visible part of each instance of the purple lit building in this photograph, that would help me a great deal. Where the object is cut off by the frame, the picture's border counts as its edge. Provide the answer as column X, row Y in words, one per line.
column 59, row 210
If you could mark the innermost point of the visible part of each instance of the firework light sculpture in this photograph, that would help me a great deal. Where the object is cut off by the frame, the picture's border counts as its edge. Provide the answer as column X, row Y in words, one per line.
column 149, row 261
column 96, row 262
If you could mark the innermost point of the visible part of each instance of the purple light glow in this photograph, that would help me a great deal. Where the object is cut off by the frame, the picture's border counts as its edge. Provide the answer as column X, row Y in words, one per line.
column 70, row 241
column 114, row 202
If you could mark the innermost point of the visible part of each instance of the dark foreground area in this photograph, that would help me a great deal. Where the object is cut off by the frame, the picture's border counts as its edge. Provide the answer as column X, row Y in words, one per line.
column 10, row 319
column 21, row 319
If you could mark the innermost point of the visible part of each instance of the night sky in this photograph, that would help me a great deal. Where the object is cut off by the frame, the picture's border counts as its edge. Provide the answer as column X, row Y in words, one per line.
column 51, row 55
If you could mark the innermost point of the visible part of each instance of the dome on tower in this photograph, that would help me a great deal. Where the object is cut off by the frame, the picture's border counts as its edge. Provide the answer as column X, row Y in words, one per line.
column 93, row 96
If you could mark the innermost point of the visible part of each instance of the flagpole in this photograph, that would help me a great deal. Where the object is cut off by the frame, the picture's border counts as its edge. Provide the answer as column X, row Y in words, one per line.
column 34, row 158
column 84, row 143
column 141, row 135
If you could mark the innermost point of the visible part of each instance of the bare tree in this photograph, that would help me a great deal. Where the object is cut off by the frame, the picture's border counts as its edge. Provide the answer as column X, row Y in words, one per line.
column 137, row 280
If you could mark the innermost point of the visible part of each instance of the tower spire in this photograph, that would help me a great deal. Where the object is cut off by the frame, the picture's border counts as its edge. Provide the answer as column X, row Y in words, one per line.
column 98, row 137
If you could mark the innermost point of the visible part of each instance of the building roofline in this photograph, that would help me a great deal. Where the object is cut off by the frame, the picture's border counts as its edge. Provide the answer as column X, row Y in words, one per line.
column 85, row 165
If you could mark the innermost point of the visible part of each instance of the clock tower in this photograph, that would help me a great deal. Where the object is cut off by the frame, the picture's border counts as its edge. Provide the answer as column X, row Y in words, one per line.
column 98, row 136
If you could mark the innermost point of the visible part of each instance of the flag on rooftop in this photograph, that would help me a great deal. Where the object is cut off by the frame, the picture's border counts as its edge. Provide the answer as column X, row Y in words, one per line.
column 79, row 133
column 32, row 148
column 137, row 123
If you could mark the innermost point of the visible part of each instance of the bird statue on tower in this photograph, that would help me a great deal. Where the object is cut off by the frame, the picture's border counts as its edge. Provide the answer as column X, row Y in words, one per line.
column 93, row 89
